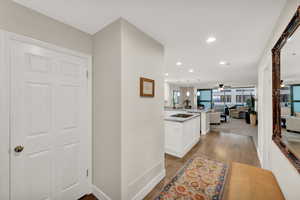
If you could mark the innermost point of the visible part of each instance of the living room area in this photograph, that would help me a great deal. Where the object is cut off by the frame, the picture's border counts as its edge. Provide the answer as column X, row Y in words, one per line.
column 237, row 109
column 230, row 109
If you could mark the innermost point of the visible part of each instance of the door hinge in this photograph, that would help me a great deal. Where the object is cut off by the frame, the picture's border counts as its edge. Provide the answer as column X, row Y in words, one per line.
column 87, row 173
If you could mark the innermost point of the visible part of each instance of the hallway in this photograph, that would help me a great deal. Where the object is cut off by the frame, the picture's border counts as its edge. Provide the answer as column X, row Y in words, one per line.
column 150, row 100
column 225, row 147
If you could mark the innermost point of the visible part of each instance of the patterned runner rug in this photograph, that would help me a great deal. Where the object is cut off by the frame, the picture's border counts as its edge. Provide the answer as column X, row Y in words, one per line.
column 199, row 179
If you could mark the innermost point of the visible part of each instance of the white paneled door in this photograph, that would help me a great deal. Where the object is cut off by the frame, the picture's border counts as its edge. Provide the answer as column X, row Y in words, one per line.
column 48, row 123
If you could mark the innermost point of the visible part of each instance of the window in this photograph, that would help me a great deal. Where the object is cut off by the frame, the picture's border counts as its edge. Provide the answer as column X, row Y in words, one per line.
column 242, row 98
column 225, row 98
column 295, row 98
column 246, row 98
column 228, row 97
column 222, row 98
column 239, row 99
column 204, row 98
column 284, row 98
column 176, row 95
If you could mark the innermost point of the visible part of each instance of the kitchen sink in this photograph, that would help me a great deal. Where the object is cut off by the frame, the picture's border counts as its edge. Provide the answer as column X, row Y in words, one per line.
column 182, row 115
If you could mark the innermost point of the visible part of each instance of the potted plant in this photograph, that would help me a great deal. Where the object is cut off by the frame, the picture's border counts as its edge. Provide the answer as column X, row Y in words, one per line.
column 252, row 112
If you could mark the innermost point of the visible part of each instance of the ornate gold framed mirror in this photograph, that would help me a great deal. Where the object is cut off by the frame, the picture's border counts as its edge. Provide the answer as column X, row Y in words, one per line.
column 286, row 91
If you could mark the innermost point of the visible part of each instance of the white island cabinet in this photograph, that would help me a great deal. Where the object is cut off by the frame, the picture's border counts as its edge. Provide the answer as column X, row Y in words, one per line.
column 181, row 134
column 205, row 121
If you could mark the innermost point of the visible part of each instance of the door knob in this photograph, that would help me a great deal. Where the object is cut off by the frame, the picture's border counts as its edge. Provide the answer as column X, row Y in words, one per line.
column 19, row 149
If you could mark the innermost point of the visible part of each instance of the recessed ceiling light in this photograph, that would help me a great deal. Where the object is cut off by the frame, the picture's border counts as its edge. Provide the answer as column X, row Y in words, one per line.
column 211, row 39
column 223, row 62
column 166, row 74
column 191, row 70
column 179, row 63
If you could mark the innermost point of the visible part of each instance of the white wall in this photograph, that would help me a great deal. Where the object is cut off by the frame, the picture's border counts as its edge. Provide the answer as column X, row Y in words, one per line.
column 142, row 117
column 107, row 110
column 128, row 129
column 18, row 19
column 270, row 155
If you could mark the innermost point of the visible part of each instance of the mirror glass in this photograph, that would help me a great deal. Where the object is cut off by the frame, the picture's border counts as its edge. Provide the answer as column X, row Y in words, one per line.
column 290, row 94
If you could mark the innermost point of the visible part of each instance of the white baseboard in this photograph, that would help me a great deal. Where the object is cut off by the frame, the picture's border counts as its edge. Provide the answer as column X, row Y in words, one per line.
column 139, row 196
column 259, row 158
column 183, row 152
column 99, row 194
column 144, row 191
column 172, row 152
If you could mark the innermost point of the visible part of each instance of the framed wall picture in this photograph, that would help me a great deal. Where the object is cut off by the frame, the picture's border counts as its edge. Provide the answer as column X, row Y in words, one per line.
column 146, row 87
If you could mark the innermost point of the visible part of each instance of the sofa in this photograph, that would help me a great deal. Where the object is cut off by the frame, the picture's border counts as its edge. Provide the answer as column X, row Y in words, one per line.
column 215, row 117
column 293, row 124
column 238, row 113
column 219, row 108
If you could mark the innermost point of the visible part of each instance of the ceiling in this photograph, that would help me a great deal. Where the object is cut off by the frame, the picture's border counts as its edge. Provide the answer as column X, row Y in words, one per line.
column 241, row 28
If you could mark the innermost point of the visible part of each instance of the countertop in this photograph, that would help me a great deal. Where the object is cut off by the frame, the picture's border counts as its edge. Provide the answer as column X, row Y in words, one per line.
column 179, row 119
column 188, row 110
column 197, row 110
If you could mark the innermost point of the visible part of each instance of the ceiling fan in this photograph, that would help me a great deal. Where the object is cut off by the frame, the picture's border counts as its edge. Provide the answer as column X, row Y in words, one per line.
column 222, row 86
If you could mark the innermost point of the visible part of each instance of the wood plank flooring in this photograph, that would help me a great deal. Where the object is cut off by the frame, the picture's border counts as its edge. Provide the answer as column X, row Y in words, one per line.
column 226, row 147
column 237, row 126
column 218, row 145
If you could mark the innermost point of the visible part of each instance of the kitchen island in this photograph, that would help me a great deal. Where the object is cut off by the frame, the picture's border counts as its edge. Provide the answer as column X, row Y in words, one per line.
column 204, row 117
column 205, row 121
column 182, row 132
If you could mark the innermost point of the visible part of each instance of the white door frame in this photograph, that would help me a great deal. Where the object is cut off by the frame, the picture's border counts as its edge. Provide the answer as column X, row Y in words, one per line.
column 5, row 148
column 4, row 118
column 267, row 78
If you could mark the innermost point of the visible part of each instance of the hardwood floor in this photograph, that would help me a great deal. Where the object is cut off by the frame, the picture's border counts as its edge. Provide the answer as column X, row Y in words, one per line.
column 226, row 147
column 218, row 145
column 237, row 126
